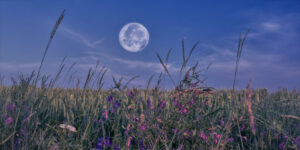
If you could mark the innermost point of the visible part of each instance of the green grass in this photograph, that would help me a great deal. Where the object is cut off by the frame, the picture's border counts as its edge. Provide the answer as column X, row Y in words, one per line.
column 38, row 112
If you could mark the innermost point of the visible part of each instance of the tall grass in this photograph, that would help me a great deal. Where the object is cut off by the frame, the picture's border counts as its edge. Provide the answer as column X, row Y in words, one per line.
column 58, row 22
column 171, row 121
column 238, row 56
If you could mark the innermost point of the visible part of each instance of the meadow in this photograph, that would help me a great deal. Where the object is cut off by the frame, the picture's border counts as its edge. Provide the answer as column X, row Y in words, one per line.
column 37, row 114
column 32, row 118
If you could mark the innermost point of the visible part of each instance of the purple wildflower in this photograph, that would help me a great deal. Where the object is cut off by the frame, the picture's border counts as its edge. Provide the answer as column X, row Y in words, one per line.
column 175, row 130
column 175, row 103
column 281, row 145
column 107, row 142
column 116, row 147
column 11, row 107
column 284, row 137
column 162, row 104
column 149, row 104
column 297, row 142
column 230, row 140
column 100, row 143
column 142, row 146
column 109, row 98
column 116, row 104
column 221, row 122
column 8, row 121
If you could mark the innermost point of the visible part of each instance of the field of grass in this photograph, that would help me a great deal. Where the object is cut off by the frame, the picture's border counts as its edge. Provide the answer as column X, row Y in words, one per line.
column 36, row 114
column 31, row 118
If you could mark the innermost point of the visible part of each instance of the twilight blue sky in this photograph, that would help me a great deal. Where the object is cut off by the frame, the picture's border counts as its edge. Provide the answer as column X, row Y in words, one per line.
column 89, row 32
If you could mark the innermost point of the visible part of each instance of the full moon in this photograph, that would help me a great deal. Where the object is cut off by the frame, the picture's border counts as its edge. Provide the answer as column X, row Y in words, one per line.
column 134, row 37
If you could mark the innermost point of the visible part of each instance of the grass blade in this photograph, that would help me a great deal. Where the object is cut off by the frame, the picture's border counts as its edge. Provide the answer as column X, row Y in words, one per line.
column 58, row 22
column 165, row 67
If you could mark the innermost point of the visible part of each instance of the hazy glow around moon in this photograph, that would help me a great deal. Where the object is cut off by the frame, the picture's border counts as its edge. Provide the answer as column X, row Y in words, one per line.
column 134, row 37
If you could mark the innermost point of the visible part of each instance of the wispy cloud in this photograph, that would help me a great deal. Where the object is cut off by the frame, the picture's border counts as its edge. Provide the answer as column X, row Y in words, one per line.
column 13, row 67
column 122, row 68
column 80, row 38
column 270, row 26
column 84, row 67
column 224, row 52
column 135, row 64
column 266, row 67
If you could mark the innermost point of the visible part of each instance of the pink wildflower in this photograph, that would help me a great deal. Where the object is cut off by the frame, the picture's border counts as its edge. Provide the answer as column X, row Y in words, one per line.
column 105, row 114
column 128, row 142
column 245, row 138
column 248, row 103
column 127, row 129
column 217, row 138
column 8, row 121
column 162, row 104
column 143, row 127
column 192, row 102
column 183, row 110
column 203, row 136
